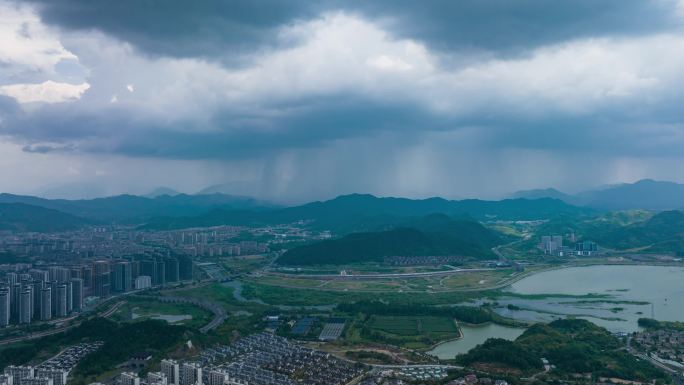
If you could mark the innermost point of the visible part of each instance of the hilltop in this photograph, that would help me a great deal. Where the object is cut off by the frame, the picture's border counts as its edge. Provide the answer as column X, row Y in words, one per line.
column 431, row 235
column 646, row 194
column 363, row 212
column 23, row 217
column 571, row 345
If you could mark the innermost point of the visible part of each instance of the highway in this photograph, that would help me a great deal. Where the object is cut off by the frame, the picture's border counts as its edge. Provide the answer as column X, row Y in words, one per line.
column 106, row 313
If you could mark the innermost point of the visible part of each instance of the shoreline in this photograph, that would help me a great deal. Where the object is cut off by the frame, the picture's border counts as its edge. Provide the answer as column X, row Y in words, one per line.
column 497, row 286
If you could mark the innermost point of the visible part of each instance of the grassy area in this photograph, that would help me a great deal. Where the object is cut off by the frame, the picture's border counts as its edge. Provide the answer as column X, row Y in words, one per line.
column 276, row 295
column 459, row 281
column 244, row 264
column 407, row 325
column 476, row 279
column 218, row 293
column 413, row 332
column 139, row 309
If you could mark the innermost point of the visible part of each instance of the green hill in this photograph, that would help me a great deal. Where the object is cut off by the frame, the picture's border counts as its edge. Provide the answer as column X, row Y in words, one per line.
column 23, row 217
column 358, row 212
column 664, row 232
column 431, row 235
column 137, row 209
column 572, row 345
column 622, row 230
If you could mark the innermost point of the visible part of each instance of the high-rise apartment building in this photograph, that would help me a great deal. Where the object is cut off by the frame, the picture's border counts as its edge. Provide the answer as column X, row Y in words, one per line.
column 217, row 377
column 58, row 376
column 156, row 378
column 19, row 372
column 171, row 370
column 190, row 374
column 77, row 293
column 123, row 277
column 143, row 282
column 4, row 307
column 25, row 305
column 46, row 304
column 128, row 378
column 101, row 283
column 171, row 270
column 161, row 274
column 61, row 307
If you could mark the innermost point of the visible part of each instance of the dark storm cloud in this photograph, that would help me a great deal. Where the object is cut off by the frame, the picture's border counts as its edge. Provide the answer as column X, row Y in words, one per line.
column 207, row 28
column 227, row 136
column 507, row 26
column 317, row 123
column 227, row 29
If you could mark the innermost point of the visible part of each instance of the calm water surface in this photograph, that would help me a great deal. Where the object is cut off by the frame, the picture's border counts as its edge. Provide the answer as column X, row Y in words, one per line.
column 473, row 336
column 661, row 288
column 631, row 292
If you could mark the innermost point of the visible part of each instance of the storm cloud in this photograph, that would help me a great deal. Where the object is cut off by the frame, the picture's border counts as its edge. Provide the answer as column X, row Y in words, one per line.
column 313, row 99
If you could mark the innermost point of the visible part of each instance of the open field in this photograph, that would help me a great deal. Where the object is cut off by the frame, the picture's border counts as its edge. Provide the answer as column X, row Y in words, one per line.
column 244, row 264
column 413, row 332
column 458, row 280
column 407, row 325
column 216, row 292
column 141, row 309
column 295, row 296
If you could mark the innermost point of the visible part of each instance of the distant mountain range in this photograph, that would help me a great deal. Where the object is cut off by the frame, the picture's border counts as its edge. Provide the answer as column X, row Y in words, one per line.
column 362, row 212
column 23, row 217
column 432, row 235
column 645, row 194
column 159, row 191
column 137, row 209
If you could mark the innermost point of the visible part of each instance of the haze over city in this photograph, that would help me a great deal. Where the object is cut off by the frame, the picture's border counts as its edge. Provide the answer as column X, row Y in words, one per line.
column 299, row 101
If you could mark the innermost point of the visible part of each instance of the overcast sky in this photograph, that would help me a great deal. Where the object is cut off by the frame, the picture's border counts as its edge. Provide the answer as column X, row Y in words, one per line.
column 303, row 100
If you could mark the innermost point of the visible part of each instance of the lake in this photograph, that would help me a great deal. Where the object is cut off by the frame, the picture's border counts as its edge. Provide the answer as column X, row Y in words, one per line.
column 631, row 292
column 620, row 295
column 473, row 336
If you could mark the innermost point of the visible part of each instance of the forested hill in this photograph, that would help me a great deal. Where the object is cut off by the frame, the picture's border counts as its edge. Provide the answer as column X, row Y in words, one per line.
column 358, row 212
column 23, row 217
column 136, row 209
column 572, row 345
column 431, row 235
column 663, row 232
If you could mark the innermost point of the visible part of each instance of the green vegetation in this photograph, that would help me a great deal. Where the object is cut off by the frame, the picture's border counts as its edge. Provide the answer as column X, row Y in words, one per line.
column 407, row 325
column 432, row 235
column 369, row 356
column 133, row 209
column 503, row 352
column 469, row 314
column 572, row 345
column 358, row 212
column 123, row 340
column 140, row 309
column 662, row 233
column 23, row 217
column 278, row 295
column 650, row 323
column 120, row 342
column 634, row 230
column 460, row 281
column 220, row 294
column 411, row 325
